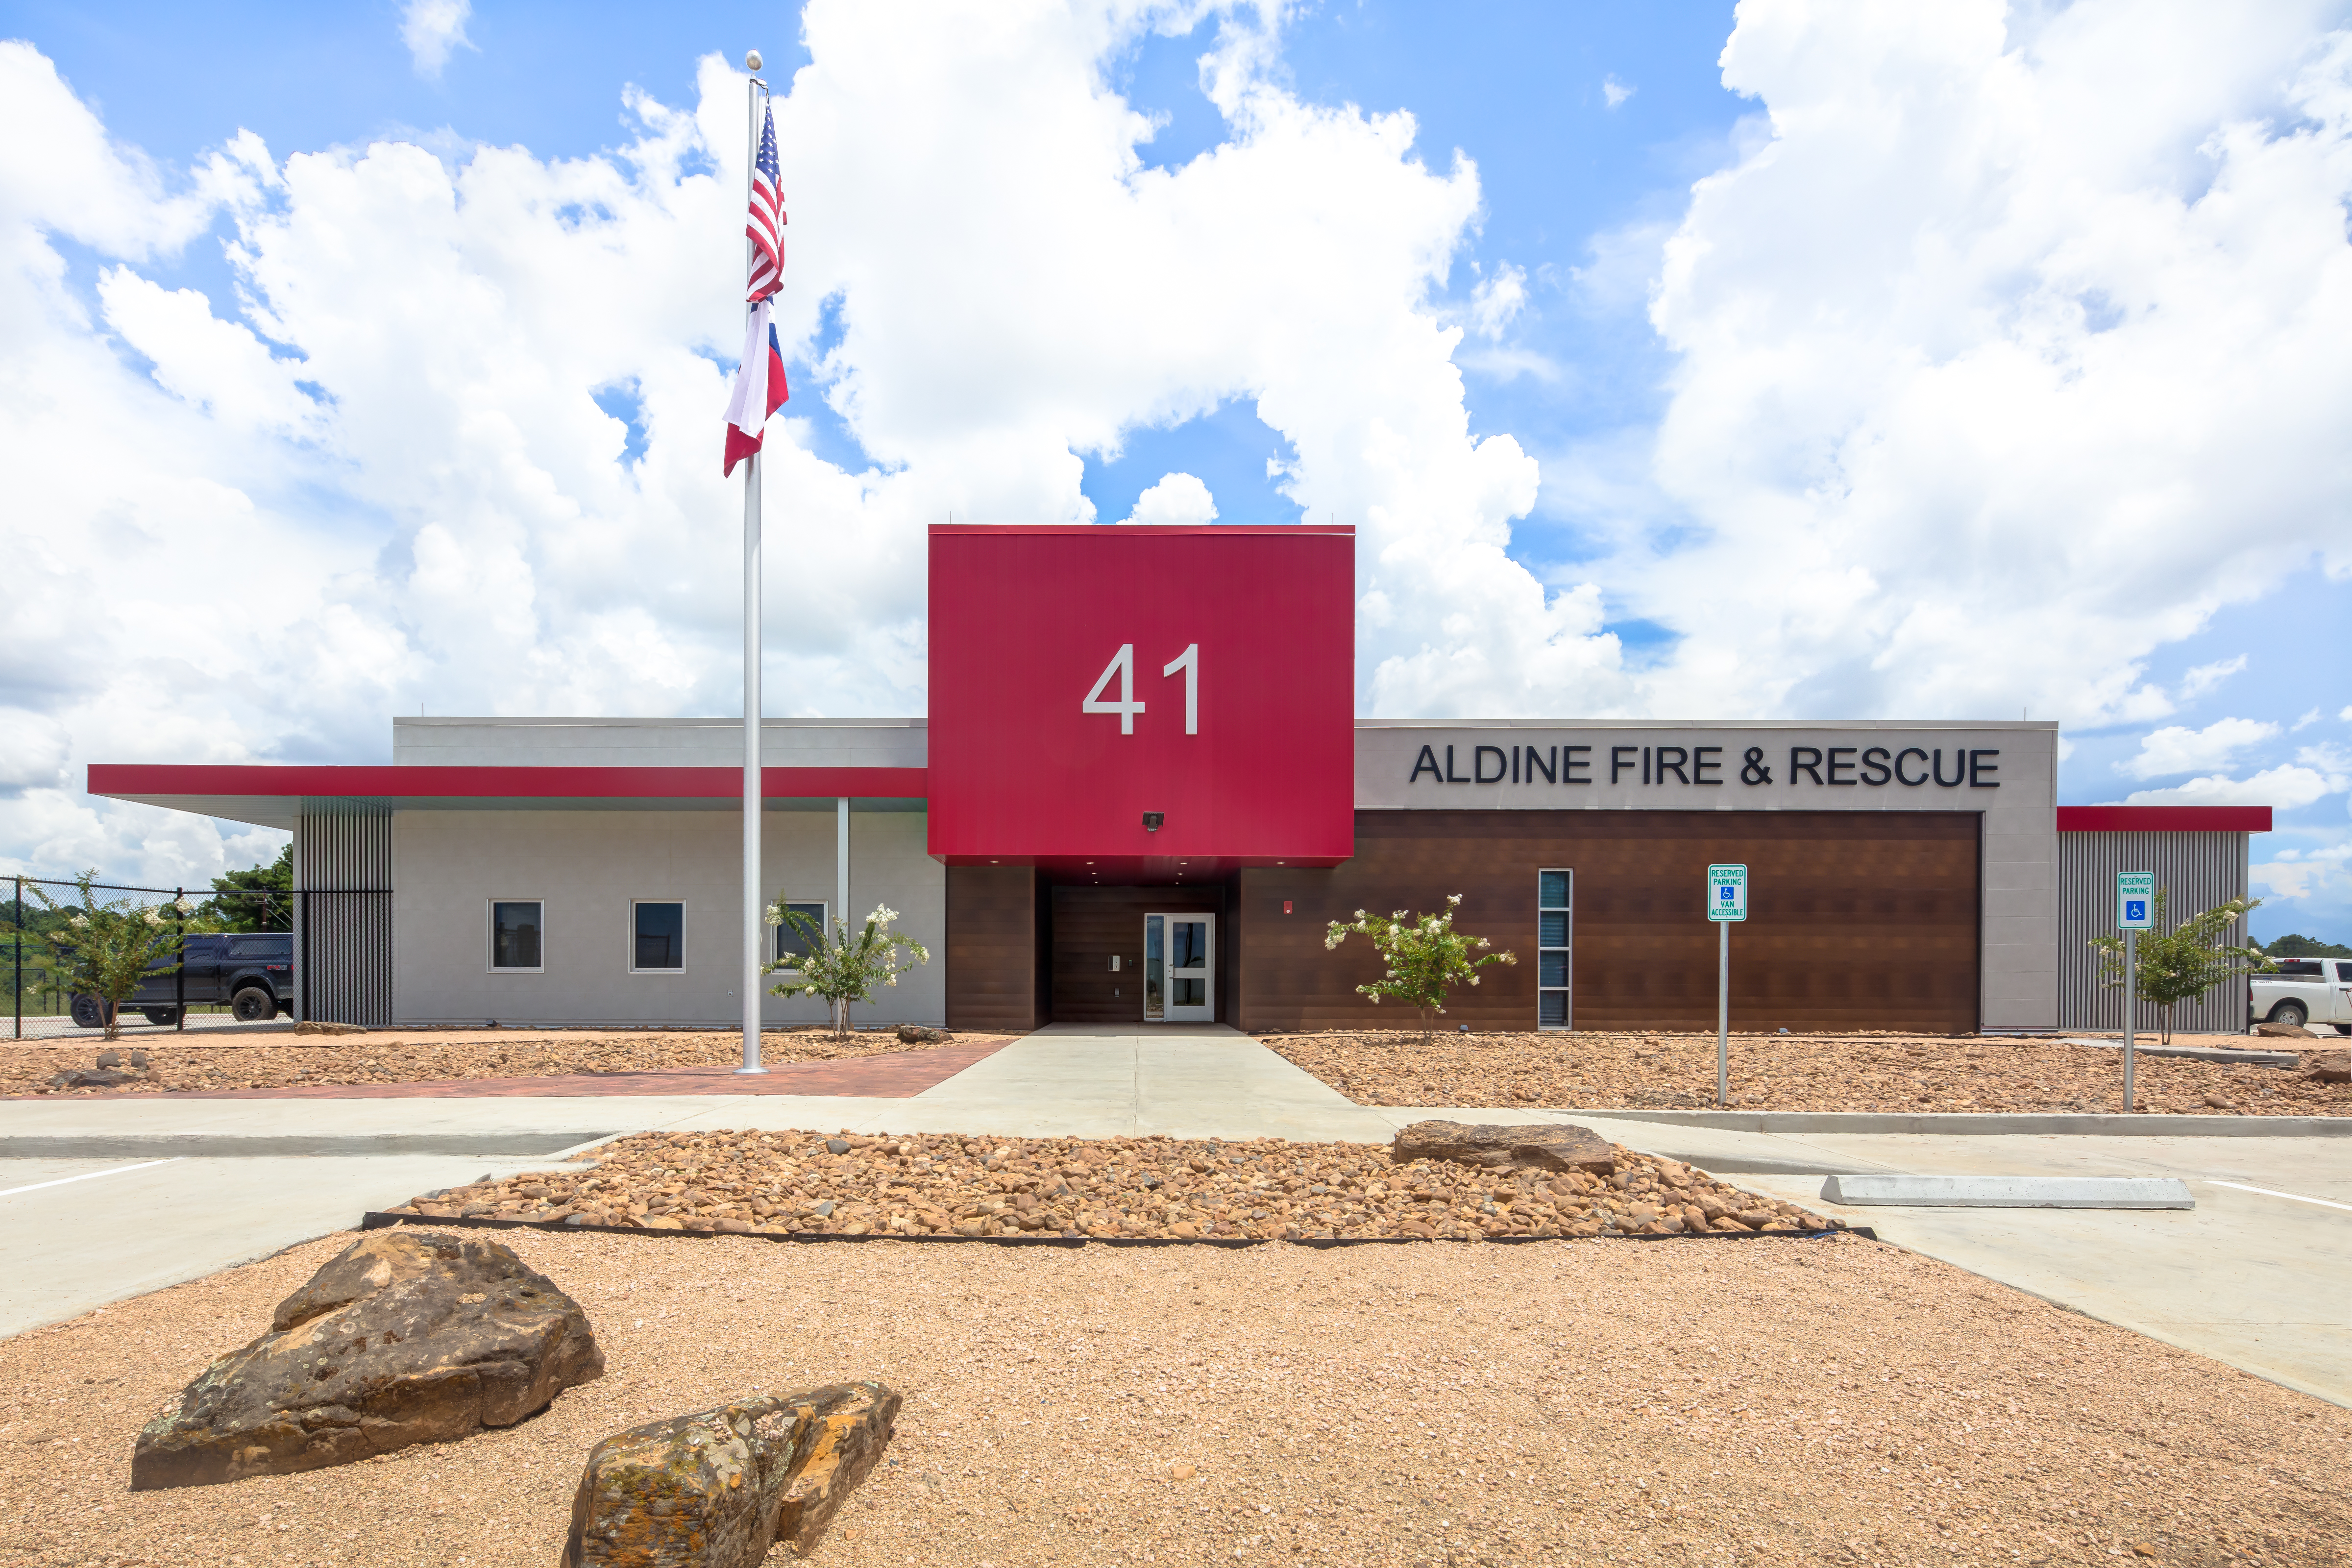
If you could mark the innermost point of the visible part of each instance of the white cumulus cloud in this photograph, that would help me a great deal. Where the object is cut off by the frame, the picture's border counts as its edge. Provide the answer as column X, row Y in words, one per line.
column 434, row 30
column 1616, row 92
column 2204, row 678
column 1495, row 300
column 2010, row 353
column 2285, row 788
column 2176, row 749
column 1177, row 498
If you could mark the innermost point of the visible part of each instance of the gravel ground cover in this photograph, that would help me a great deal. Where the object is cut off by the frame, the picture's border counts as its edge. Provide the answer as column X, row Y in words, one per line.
column 1592, row 1071
column 804, row 1183
column 1781, row 1401
column 393, row 1056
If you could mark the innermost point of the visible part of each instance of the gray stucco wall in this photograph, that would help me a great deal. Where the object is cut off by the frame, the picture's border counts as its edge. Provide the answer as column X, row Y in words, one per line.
column 2018, row 872
column 586, row 865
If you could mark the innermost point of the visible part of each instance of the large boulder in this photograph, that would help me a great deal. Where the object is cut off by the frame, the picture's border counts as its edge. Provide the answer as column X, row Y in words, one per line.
column 719, row 1487
column 2324, row 1066
column 403, row 1337
column 1539, row 1146
column 2278, row 1031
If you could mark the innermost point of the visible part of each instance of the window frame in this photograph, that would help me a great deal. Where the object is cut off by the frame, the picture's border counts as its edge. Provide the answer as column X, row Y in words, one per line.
column 1567, row 992
column 677, row 968
column 823, row 921
column 491, row 938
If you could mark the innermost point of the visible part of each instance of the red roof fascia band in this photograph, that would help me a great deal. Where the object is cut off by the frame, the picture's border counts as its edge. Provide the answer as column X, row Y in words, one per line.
column 2164, row 820
column 266, row 779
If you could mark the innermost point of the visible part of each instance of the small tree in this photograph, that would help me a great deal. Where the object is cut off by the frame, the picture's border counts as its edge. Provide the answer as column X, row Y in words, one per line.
column 105, row 949
column 260, row 900
column 841, row 966
column 1424, row 954
column 2181, row 964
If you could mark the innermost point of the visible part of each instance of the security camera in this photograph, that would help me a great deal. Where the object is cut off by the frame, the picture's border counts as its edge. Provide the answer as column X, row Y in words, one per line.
column 1152, row 819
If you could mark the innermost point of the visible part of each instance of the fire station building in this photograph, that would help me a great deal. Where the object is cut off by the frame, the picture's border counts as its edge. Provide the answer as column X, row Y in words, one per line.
column 1142, row 795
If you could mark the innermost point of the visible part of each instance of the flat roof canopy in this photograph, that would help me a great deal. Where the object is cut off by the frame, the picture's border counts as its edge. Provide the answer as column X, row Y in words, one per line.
column 274, row 795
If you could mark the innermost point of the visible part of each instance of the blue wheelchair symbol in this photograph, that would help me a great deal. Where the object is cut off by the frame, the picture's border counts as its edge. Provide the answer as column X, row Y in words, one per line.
column 2134, row 909
column 1727, row 894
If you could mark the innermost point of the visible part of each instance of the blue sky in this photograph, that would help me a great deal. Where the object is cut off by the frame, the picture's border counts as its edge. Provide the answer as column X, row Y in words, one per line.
column 1752, row 426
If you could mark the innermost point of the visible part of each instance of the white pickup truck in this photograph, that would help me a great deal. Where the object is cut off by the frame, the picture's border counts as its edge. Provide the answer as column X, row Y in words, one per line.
column 2313, row 992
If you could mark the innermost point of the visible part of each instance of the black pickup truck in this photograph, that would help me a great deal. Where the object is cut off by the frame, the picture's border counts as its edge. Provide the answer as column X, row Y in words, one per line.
column 252, row 972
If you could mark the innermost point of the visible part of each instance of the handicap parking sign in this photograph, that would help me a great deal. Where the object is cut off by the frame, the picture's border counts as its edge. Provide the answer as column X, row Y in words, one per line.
column 2135, row 899
column 1728, row 899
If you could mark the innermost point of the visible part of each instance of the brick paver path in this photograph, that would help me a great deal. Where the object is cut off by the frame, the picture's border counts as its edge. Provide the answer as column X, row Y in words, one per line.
column 897, row 1075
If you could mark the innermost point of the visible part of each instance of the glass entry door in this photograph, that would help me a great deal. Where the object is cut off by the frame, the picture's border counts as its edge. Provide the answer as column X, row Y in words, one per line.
column 1180, row 969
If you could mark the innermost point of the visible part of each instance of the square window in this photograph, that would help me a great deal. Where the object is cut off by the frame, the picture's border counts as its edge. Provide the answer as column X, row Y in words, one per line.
column 514, row 934
column 658, row 928
column 1552, row 1009
column 1551, row 968
column 1551, row 927
column 1551, row 889
column 792, row 937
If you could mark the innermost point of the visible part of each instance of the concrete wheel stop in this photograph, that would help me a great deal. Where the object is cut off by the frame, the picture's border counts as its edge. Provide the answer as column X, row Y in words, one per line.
column 2008, row 1192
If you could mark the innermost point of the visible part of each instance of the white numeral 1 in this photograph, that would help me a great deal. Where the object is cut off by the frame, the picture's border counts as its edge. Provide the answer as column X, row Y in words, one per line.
column 1188, row 661
column 1123, row 665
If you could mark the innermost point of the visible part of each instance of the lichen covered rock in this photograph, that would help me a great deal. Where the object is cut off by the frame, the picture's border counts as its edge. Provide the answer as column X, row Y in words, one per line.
column 403, row 1337
column 1539, row 1146
column 719, row 1487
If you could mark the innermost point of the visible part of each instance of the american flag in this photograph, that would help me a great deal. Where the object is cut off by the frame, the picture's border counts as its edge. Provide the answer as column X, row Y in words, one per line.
column 765, row 228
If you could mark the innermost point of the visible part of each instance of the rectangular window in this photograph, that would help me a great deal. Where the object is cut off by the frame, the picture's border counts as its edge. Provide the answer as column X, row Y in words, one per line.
column 792, row 939
column 515, row 935
column 1555, row 925
column 658, row 927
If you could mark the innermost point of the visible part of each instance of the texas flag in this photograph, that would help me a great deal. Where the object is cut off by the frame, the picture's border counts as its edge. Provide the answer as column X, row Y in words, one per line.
column 759, row 388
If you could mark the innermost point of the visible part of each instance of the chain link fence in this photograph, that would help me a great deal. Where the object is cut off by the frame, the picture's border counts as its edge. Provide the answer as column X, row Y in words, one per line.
column 230, row 963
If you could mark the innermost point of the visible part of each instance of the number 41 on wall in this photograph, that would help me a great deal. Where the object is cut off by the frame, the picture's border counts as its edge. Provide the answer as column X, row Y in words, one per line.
column 1122, row 665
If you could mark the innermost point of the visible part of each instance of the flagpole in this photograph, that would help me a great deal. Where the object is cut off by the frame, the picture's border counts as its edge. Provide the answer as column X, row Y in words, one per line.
column 753, row 905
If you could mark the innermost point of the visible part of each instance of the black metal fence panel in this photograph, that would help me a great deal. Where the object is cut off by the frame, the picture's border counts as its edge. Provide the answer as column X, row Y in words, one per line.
column 220, row 938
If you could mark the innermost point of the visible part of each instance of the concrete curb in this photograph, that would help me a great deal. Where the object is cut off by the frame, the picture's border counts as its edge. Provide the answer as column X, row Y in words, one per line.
column 2095, row 1124
column 2260, row 1058
column 377, row 1220
column 2007, row 1191
column 534, row 1145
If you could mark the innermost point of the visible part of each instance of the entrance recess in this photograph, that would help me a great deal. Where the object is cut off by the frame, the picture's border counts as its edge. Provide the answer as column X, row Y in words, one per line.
column 1180, row 969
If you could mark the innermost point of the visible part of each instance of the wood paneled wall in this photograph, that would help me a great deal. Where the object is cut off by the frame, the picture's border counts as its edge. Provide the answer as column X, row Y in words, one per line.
column 1857, row 919
column 1091, row 923
column 996, row 934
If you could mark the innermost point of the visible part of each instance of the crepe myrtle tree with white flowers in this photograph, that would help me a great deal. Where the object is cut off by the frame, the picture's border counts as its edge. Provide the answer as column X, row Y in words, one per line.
column 842, row 966
column 105, row 949
column 1424, row 954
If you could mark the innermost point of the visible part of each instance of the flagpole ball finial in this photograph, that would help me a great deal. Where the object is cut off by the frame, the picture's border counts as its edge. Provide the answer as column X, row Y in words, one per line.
column 752, row 61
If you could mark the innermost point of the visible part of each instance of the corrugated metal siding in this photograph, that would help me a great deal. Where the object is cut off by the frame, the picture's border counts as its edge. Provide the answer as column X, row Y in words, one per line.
column 2197, row 871
column 345, row 899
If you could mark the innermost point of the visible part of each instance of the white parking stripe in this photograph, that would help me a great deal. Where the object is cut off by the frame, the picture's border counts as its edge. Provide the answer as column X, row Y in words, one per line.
column 85, row 1175
column 2270, row 1193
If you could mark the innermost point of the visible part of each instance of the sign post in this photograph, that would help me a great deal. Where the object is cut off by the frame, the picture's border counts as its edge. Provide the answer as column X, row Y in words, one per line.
column 2134, row 912
column 1727, row 902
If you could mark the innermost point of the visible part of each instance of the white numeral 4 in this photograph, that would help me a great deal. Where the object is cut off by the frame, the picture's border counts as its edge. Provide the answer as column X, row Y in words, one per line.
column 1122, row 665
column 1188, row 661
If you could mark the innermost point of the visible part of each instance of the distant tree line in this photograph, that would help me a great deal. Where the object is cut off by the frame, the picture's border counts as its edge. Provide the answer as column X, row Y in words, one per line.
column 2304, row 947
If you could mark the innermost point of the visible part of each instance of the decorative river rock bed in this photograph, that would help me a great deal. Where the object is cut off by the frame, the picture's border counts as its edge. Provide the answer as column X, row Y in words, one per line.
column 805, row 1184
